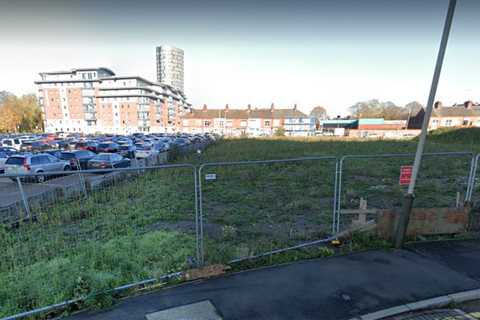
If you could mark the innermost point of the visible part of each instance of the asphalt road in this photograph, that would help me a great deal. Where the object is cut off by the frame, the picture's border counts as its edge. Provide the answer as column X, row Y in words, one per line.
column 10, row 194
column 333, row 288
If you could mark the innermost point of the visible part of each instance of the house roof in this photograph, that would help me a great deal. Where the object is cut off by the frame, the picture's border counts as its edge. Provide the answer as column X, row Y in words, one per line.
column 256, row 113
column 457, row 111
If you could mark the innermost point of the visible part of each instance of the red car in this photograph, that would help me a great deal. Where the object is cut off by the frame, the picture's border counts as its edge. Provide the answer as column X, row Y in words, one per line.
column 87, row 145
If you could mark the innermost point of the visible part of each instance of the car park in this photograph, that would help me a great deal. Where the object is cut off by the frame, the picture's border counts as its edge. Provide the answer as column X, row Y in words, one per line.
column 133, row 146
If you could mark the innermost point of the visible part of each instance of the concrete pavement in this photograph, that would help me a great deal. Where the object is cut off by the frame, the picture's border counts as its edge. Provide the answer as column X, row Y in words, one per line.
column 333, row 288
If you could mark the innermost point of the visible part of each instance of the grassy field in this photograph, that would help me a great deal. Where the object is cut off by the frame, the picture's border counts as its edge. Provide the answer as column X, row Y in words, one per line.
column 144, row 226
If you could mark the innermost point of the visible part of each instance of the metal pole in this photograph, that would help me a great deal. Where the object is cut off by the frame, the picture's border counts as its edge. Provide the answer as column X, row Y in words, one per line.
column 24, row 198
column 405, row 215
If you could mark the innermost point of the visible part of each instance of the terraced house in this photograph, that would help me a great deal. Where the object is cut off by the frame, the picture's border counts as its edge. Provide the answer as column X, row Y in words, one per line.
column 96, row 100
column 457, row 115
column 249, row 121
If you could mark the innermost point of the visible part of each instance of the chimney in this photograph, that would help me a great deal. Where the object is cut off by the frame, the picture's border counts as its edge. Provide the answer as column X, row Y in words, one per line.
column 295, row 106
column 249, row 108
column 272, row 107
column 226, row 107
column 204, row 107
column 437, row 105
column 468, row 104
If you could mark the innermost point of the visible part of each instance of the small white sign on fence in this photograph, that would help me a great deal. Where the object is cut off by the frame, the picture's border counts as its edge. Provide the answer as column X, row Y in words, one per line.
column 211, row 177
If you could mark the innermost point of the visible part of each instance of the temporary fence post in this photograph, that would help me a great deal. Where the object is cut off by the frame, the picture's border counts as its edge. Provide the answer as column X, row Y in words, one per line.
column 402, row 224
column 24, row 198
column 200, row 215
column 197, row 219
column 339, row 192
column 472, row 179
column 335, row 186
column 81, row 178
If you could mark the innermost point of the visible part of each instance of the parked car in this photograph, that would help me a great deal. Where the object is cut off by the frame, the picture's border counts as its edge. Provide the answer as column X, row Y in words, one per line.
column 108, row 160
column 8, row 150
column 62, row 144
column 55, row 153
column 12, row 142
column 87, row 145
column 78, row 159
column 35, row 163
column 34, row 146
column 107, row 147
column 127, row 151
column 181, row 142
column 143, row 150
column 3, row 158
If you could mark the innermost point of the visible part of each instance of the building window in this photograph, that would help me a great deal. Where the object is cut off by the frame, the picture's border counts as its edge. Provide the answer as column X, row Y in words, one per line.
column 465, row 122
column 448, row 123
column 206, row 123
column 267, row 123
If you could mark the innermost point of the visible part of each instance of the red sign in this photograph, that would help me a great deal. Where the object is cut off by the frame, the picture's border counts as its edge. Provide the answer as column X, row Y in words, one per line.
column 405, row 175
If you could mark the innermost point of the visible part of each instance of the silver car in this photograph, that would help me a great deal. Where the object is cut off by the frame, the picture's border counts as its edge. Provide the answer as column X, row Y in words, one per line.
column 37, row 163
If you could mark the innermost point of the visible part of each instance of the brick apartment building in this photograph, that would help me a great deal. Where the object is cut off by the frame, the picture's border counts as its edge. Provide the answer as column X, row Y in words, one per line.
column 96, row 100
column 249, row 121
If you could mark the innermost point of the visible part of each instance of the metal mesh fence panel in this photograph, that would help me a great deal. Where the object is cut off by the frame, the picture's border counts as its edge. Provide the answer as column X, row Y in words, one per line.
column 475, row 193
column 90, row 232
column 371, row 182
column 252, row 208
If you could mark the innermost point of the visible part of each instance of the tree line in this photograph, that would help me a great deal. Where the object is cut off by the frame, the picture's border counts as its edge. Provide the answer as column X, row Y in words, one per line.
column 375, row 109
column 19, row 114
column 384, row 109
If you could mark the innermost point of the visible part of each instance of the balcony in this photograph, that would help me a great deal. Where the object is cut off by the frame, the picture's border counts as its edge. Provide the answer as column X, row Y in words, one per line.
column 90, row 116
column 144, row 123
column 88, row 92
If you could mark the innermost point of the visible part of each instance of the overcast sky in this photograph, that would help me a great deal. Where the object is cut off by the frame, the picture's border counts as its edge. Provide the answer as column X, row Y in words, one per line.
column 331, row 52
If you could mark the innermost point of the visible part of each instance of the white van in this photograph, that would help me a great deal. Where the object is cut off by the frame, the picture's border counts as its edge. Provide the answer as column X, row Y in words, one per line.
column 12, row 142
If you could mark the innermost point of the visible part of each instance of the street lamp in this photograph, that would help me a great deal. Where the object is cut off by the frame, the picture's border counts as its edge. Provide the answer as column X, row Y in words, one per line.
column 404, row 217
